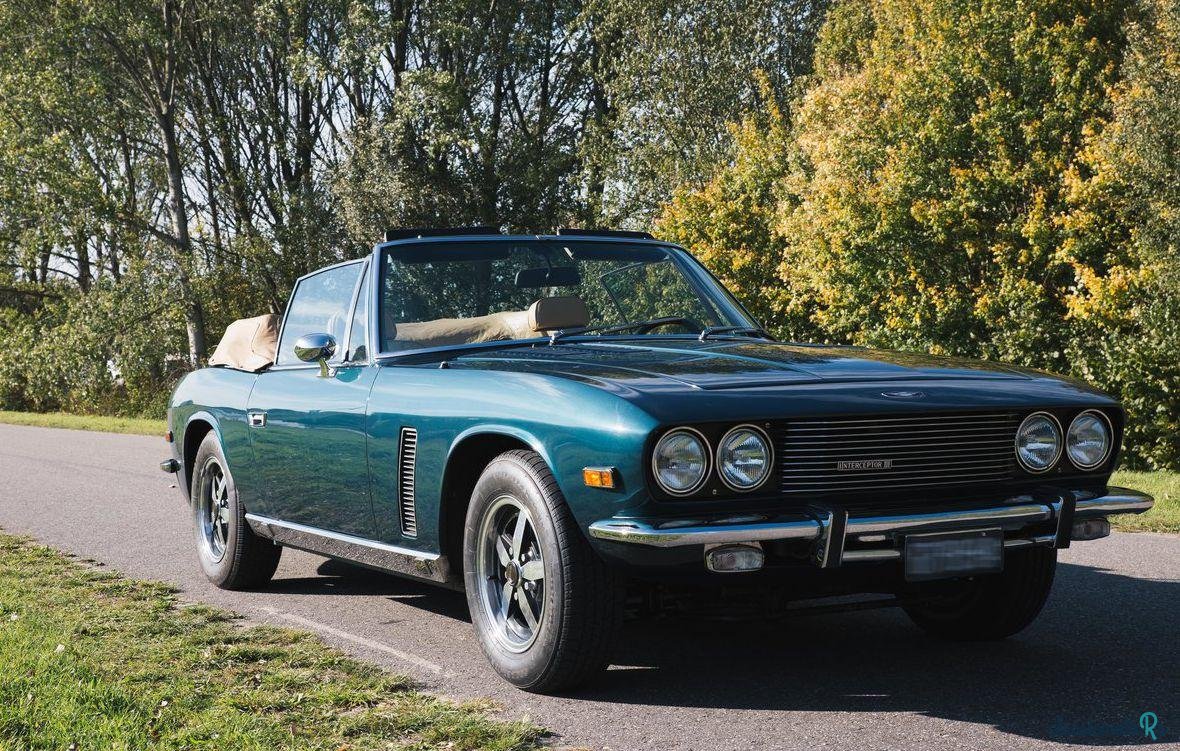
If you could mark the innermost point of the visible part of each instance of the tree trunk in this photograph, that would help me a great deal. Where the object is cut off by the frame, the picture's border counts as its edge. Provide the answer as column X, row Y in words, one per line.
column 46, row 253
column 82, row 254
column 194, row 313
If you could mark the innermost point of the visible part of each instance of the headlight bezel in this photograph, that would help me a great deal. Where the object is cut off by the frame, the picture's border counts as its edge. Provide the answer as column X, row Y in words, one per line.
column 718, row 462
column 1105, row 420
column 707, row 453
column 1060, row 443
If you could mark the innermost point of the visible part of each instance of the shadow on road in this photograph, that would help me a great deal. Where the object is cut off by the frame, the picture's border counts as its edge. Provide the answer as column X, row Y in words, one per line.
column 341, row 578
column 1104, row 651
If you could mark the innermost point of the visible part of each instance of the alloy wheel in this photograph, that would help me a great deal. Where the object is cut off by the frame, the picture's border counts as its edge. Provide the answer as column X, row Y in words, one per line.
column 213, row 510
column 511, row 573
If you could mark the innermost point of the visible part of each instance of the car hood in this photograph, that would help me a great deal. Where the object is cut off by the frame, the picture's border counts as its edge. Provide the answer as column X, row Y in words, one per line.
column 727, row 364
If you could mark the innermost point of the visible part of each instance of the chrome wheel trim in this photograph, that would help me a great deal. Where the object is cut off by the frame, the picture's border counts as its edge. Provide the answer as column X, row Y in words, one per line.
column 213, row 509
column 511, row 574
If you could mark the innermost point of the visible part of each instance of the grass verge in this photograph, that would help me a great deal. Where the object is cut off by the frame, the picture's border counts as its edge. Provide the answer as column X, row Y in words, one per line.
column 1165, row 488
column 133, row 425
column 94, row 660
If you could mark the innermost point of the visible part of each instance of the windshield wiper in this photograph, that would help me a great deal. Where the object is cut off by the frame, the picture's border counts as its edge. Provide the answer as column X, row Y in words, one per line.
column 739, row 330
column 650, row 323
column 616, row 327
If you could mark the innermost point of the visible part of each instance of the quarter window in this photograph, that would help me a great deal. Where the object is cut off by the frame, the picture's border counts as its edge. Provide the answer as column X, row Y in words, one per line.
column 320, row 305
column 358, row 334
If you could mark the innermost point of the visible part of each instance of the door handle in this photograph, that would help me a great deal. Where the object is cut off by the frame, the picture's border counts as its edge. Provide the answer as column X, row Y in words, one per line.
column 257, row 419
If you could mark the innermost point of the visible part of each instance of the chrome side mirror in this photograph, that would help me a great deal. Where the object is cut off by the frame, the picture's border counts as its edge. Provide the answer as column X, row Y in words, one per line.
column 316, row 348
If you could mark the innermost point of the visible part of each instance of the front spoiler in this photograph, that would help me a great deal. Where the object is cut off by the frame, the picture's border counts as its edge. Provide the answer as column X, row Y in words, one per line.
column 838, row 536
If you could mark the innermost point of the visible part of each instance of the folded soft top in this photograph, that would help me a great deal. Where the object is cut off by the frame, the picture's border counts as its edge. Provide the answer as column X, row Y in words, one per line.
column 249, row 343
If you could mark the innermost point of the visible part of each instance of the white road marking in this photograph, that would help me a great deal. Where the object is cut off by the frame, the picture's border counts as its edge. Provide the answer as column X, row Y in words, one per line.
column 361, row 640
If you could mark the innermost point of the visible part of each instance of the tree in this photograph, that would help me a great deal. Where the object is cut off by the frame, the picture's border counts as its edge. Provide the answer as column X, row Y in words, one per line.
column 1123, row 239
column 996, row 180
column 668, row 79
column 141, row 47
column 731, row 222
column 935, row 155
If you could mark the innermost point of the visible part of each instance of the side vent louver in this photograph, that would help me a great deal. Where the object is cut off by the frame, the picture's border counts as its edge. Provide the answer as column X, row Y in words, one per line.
column 407, row 453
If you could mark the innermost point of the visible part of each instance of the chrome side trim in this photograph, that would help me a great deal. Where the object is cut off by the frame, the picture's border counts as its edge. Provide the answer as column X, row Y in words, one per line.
column 371, row 553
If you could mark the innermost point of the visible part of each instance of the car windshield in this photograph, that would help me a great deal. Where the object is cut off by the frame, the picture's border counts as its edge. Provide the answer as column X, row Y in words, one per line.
column 446, row 294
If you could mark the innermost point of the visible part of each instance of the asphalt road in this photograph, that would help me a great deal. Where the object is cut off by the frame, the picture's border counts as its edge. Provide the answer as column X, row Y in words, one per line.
column 1104, row 651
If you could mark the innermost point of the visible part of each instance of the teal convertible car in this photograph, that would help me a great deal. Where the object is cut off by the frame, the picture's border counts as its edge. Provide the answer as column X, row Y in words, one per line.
column 553, row 423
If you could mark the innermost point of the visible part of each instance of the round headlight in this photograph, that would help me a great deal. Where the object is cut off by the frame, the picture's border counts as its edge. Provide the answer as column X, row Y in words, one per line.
column 744, row 458
column 680, row 462
column 1088, row 440
column 1038, row 442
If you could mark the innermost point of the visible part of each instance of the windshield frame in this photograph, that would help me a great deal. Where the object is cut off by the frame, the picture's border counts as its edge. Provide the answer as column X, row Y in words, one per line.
column 710, row 289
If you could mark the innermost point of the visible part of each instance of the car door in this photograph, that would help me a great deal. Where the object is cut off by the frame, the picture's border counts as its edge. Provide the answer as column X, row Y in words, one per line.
column 307, row 429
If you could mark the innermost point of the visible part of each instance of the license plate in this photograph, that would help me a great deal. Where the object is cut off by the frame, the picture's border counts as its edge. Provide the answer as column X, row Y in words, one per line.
column 947, row 554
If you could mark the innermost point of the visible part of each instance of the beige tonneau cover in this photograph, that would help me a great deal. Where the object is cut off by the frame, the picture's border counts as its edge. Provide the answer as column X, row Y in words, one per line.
column 249, row 344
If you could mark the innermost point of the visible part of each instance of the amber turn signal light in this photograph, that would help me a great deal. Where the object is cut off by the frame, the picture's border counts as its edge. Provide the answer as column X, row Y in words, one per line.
column 599, row 477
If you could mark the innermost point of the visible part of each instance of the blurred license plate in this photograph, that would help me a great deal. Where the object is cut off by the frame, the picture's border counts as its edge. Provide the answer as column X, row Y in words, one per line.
column 946, row 554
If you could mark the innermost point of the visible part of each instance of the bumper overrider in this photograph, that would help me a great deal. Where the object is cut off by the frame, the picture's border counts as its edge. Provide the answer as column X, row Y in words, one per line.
column 837, row 536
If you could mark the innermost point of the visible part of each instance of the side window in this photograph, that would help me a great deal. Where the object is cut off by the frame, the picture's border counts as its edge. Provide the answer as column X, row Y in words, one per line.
column 320, row 306
column 358, row 350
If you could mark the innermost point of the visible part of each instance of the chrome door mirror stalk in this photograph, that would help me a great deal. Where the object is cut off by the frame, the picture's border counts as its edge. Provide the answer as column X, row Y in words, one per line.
column 316, row 348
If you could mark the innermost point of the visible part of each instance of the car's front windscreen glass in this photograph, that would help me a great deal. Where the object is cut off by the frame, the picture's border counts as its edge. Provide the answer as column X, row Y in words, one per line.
column 447, row 294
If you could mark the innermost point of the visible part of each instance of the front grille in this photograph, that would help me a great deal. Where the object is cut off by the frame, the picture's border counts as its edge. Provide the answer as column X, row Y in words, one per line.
column 858, row 454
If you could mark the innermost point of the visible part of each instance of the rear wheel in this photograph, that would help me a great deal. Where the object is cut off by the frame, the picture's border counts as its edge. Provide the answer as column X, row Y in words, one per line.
column 988, row 607
column 231, row 555
column 545, row 608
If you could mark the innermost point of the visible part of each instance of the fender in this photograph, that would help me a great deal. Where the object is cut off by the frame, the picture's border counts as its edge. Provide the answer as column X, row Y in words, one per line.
column 509, row 431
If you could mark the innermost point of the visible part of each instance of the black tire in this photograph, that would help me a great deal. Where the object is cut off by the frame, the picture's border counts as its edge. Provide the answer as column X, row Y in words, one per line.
column 579, row 599
column 234, row 558
column 988, row 607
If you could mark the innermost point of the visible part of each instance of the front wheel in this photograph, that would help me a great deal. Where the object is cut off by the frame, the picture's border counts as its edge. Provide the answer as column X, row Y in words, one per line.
column 988, row 607
column 546, row 610
column 231, row 555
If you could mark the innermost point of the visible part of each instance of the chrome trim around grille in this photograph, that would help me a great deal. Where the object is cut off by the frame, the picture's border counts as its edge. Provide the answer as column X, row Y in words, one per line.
column 851, row 455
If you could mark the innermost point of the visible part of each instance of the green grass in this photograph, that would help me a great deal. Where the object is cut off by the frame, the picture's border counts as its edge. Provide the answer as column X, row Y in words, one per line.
column 134, row 425
column 97, row 660
column 1165, row 488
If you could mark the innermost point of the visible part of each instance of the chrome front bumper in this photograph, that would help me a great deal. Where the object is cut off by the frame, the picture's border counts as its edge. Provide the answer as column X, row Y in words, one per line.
column 839, row 536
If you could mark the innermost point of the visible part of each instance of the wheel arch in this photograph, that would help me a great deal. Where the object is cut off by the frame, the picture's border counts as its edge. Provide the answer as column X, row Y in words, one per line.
column 198, row 425
column 469, row 454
